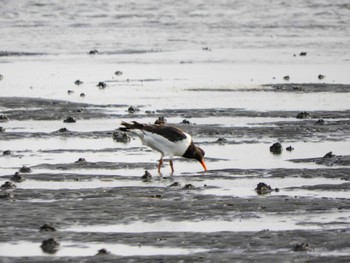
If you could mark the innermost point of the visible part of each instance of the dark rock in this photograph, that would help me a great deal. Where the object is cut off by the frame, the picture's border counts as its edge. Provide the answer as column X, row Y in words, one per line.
column 329, row 155
column 185, row 121
column 290, row 148
column 8, row 185
column 2, row 129
column 221, row 140
column 132, row 109
column 81, row 161
column 119, row 136
column 3, row 118
column 118, row 73
column 189, row 186
column 82, row 95
column 263, row 189
column 101, row 85
column 175, row 184
column 7, row 152
column 70, row 119
column 286, row 78
column 50, row 246
column 17, row 177
column 206, row 49
column 63, row 130
column 102, row 252
column 147, row 176
column 276, row 148
column 320, row 122
column 47, row 228
column 302, row 53
column 321, row 76
column 302, row 247
column 161, row 121
column 78, row 82
column 303, row 115
column 70, row 92
column 93, row 52
column 25, row 169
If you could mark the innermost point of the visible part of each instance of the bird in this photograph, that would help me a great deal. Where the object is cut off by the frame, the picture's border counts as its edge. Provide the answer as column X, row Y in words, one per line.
column 168, row 140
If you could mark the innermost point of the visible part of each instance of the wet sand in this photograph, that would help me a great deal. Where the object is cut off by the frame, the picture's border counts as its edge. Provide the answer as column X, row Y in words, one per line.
column 216, row 216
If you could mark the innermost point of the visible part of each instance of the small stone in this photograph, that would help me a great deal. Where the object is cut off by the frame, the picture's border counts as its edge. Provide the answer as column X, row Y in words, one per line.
column 161, row 121
column 321, row 76
column 147, row 176
column 118, row 73
column 63, row 130
column 320, row 122
column 303, row 115
column 175, row 184
column 8, row 185
column 101, row 85
column 303, row 53
column 78, row 82
column 329, row 155
column 290, row 148
column 185, row 121
column 81, row 161
column 47, row 228
column 70, row 119
column 263, row 189
column 221, row 140
column 17, row 177
column 206, row 49
column 302, row 247
column 50, row 246
column 82, row 95
column 189, row 186
column 25, row 169
column 119, row 136
column 70, row 92
column 3, row 118
column 132, row 109
column 286, row 78
column 93, row 52
column 7, row 152
column 276, row 148
column 102, row 252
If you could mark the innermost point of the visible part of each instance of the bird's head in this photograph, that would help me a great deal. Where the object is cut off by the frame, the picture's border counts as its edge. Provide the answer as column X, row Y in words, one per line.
column 194, row 152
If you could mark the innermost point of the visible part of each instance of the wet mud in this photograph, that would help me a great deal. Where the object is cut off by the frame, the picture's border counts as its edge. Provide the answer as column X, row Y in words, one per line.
column 312, row 227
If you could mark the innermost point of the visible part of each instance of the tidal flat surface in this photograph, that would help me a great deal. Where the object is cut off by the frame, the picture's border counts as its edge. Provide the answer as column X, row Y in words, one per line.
column 101, row 201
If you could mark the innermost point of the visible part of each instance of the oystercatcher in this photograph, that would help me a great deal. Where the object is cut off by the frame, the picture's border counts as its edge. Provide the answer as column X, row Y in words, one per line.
column 167, row 140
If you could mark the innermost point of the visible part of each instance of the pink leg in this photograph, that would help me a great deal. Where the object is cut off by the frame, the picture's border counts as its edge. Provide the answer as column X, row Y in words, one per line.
column 171, row 165
column 160, row 164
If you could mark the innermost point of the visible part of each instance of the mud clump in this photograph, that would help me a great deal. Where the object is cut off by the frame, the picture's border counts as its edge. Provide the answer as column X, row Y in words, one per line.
column 320, row 76
column 63, row 130
column 93, row 52
column 118, row 73
column 263, row 189
column 103, row 252
column 302, row 247
column 329, row 155
column 25, row 169
column 221, row 140
column 17, row 177
column 320, row 122
column 303, row 115
column 147, row 176
column 3, row 118
column 161, row 121
column 101, row 85
column 175, row 184
column 81, row 161
column 78, row 82
column 119, row 136
column 276, row 148
column 7, row 186
column 47, row 228
column 70, row 119
column 286, row 78
column 50, row 246
column 185, row 121
column 133, row 109
column 290, row 148
column 7, row 152
column 189, row 187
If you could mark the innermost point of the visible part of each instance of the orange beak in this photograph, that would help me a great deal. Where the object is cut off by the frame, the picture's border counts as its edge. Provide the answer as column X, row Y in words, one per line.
column 204, row 165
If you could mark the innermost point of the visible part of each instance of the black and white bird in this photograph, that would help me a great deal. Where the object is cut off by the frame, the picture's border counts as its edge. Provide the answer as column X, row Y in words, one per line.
column 167, row 140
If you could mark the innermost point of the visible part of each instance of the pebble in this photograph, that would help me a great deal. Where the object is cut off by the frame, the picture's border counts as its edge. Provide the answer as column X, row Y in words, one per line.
column 8, row 185
column 17, row 177
column 93, row 52
column 119, row 136
column 303, row 53
column 329, row 155
column 82, row 95
column 80, row 161
column 50, row 246
column 102, row 252
column 303, row 115
column 320, row 76
column 47, row 228
column 286, row 78
column 7, row 152
column 320, row 122
column 185, row 121
column 290, row 148
column 161, row 121
column 70, row 119
column 118, row 73
column 189, row 186
column 101, row 85
column 25, row 169
column 147, row 176
column 132, row 109
column 78, row 82
column 276, row 148
column 174, row 184
column 302, row 247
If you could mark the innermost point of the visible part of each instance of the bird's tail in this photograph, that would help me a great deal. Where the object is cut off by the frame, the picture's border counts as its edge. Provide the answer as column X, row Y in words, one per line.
column 130, row 126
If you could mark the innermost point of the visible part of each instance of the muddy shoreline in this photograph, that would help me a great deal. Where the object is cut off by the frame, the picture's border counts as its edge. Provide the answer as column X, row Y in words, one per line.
column 320, row 221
